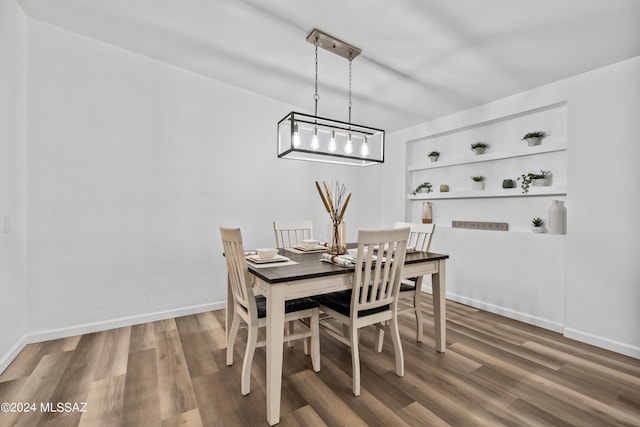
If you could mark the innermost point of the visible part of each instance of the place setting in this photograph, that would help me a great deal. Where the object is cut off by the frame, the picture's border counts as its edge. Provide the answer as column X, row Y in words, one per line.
column 308, row 246
column 267, row 257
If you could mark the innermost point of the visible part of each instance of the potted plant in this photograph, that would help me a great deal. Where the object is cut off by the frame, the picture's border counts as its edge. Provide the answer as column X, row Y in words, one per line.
column 425, row 187
column 479, row 147
column 537, row 225
column 477, row 183
column 534, row 138
column 433, row 156
column 537, row 179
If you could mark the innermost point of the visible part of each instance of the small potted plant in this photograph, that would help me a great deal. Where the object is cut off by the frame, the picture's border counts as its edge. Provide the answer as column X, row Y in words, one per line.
column 478, row 182
column 479, row 147
column 433, row 156
column 425, row 187
column 534, row 138
column 537, row 225
column 536, row 179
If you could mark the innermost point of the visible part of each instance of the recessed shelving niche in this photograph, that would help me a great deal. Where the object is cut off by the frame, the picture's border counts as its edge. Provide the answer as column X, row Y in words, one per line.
column 508, row 157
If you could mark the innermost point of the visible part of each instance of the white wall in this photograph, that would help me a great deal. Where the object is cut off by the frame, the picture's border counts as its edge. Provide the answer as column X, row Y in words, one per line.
column 589, row 286
column 13, row 276
column 603, row 268
column 134, row 164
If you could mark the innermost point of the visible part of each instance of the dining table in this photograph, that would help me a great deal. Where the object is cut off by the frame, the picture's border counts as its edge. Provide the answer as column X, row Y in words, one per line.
column 306, row 275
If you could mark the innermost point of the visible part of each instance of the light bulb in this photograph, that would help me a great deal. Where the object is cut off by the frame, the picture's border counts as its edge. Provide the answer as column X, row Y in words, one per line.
column 315, row 144
column 364, row 150
column 332, row 142
column 296, row 136
column 348, row 148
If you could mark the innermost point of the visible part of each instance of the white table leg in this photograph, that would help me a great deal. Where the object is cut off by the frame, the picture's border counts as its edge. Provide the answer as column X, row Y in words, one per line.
column 275, row 342
column 438, row 282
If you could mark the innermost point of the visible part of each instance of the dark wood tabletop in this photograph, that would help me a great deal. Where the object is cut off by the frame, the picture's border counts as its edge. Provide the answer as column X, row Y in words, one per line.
column 309, row 266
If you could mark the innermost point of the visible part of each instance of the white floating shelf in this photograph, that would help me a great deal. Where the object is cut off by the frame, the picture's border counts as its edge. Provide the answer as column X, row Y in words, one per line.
column 529, row 151
column 556, row 190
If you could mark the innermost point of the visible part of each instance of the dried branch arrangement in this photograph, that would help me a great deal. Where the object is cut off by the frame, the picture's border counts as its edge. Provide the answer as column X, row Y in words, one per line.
column 336, row 205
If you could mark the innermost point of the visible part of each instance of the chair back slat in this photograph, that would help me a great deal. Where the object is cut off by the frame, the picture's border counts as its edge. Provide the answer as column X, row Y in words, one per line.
column 376, row 279
column 237, row 271
column 420, row 237
column 291, row 233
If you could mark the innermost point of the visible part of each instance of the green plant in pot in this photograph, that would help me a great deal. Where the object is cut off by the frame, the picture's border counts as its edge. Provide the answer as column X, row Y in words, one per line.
column 424, row 186
column 479, row 147
column 478, row 182
column 433, row 156
column 534, row 138
column 537, row 225
column 538, row 179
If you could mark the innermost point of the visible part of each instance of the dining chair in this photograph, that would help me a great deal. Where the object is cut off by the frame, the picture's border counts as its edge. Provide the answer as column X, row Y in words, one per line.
column 291, row 233
column 251, row 309
column 419, row 240
column 373, row 299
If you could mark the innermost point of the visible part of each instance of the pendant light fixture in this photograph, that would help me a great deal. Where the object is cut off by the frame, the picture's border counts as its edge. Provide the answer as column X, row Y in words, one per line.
column 314, row 138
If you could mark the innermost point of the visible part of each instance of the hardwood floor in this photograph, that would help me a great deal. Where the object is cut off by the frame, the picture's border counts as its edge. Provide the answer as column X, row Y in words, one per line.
column 495, row 372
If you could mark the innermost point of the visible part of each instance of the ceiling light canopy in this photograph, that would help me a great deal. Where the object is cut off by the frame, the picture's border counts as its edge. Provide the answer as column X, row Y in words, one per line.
column 314, row 138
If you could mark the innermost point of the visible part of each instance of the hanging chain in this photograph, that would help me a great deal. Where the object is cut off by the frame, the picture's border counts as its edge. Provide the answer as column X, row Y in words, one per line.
column 350, row 59
column 316, row 96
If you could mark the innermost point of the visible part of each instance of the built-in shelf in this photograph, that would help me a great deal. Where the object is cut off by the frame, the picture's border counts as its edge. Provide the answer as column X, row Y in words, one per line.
column 556, row 190
column 527, row 151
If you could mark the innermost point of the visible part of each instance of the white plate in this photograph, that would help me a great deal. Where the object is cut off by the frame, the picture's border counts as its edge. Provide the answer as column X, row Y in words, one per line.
column 316, row 249
column 257, row 260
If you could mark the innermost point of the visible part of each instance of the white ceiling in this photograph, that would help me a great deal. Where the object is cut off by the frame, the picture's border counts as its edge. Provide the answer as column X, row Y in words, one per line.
column 421, row 59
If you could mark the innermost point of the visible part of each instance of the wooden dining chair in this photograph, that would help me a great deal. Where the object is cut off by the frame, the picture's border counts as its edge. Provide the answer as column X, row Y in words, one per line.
column 420, row 240
column 251, row 309
column 291, row 233
column 373, row 300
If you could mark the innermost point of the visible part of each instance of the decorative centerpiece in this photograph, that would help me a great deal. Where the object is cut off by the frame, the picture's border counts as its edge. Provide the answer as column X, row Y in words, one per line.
column 335, row 206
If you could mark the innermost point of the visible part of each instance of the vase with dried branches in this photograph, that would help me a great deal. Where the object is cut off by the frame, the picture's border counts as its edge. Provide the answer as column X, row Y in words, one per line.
column 335, row 203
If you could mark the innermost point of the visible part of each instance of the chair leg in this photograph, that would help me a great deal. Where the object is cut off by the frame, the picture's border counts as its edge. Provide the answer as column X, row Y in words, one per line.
column 252, row 340
column 355, row 361
column 233, row 333
column 397, row 345
column 417, row 306
column 315, row 340
column 289, row 330
column 379, row 338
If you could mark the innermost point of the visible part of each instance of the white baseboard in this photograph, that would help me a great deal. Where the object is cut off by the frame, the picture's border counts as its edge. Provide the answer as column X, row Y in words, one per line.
column 507, row 312
column 602, row 342
column 587, row 338
column 7, row 358
column 503, row 311
column 52, row 334
column 120, row 322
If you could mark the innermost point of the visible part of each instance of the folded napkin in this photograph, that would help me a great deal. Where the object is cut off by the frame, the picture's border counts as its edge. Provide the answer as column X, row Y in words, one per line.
column 345, row 261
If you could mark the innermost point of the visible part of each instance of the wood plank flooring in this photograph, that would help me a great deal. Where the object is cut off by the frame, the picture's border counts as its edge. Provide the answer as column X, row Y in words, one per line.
column 496, row 372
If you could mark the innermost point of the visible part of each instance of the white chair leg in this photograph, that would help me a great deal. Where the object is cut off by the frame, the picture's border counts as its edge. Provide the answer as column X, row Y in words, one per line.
column 252, row 340
column 379, row 338
column 289, row 330
column 315, row 340
column 397, row 346
column 417, row 306
column 233, row 333
column 355, row 361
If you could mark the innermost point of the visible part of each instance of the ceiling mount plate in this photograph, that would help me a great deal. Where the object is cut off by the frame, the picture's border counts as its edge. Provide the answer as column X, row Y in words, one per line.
column 333, row 44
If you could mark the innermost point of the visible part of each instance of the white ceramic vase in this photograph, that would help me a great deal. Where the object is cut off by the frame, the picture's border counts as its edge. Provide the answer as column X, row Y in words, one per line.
column 557, row 215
